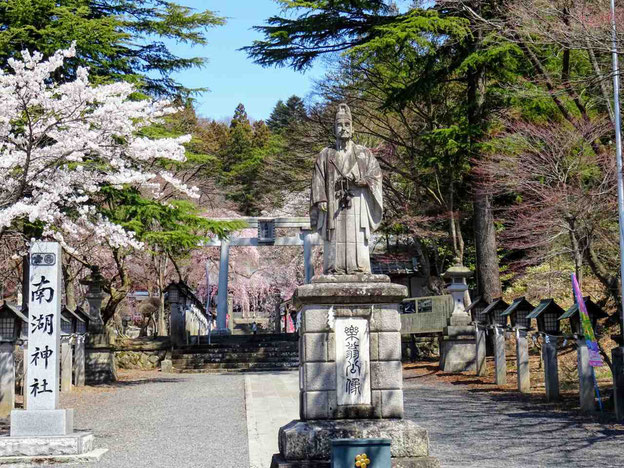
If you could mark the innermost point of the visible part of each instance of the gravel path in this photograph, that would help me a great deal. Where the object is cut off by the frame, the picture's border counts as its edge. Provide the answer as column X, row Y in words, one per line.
column 175, row 420
column 167, row 420
column 476, row 429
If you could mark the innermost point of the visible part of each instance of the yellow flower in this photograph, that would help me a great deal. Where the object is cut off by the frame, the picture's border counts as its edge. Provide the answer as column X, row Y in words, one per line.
column 362, row 460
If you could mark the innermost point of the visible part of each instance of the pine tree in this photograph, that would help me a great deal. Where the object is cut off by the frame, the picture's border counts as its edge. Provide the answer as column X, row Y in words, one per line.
column 293, row 112
column 116, row 39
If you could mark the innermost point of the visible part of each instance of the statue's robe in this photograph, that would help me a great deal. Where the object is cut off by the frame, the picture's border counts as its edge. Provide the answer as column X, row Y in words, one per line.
column 346, row 231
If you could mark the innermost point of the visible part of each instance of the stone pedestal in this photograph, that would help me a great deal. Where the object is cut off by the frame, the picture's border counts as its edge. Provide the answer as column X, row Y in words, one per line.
column 99, row 360
column 53, row 422
column 49, row 449
column 343, row 397
column 308, row 443
column 458, row 346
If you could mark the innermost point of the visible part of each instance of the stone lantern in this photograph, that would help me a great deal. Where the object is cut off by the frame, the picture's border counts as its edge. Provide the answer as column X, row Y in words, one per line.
column 458, row 343
column 457, row 275
column 94, row 297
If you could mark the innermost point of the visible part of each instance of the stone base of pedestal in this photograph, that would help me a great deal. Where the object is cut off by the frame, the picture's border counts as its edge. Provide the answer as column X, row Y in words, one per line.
column 37, row 423
column 78, row 443
column 49, row 460
column 308, row 443
column 423, row 462
column 458, row 349
column 99, row 360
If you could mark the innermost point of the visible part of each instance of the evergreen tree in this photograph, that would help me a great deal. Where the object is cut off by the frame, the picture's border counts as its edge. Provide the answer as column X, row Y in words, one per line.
column 116, row 39
column 293, row 112
column 239, row 145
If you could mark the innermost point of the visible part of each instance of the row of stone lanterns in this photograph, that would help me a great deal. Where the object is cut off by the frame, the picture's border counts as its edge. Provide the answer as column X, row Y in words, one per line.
column 500, row 317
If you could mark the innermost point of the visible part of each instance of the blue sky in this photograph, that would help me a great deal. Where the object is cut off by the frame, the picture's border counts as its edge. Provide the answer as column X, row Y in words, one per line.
column 229, row 74
column 232, row 77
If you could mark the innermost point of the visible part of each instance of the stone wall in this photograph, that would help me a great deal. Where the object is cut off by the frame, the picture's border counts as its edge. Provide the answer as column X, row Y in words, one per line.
column 145, row 360
column 141, row 353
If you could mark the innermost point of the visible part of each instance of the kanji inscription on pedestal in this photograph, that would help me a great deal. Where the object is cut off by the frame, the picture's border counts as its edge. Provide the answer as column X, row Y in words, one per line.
column 352, row 361
column 44, row 326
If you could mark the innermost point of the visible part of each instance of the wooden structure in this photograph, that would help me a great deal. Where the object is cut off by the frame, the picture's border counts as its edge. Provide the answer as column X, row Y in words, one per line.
column 547, row 314
column 426, row 315
column 594, row 311
column 13, row 322
column 518, row 312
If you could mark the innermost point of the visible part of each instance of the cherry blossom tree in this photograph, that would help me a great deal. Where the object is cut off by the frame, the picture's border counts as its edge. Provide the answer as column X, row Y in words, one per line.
column 61, row 144
column 563, row 195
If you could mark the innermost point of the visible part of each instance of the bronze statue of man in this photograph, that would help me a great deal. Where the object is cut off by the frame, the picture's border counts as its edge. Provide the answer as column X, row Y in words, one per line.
column 346, row 201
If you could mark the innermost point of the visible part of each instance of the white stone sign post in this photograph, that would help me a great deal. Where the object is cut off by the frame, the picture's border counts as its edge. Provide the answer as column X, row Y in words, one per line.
column 352, row 361
column 44, row 343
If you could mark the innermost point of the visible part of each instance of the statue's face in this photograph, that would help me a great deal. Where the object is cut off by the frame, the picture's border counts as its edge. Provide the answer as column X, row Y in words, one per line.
column 344, row 129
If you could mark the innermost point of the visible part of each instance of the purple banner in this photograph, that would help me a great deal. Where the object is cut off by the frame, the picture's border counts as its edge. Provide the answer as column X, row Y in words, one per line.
column 595, row 360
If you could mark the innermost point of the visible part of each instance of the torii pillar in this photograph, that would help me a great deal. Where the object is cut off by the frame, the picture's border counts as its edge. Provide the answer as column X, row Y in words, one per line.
column 222, row 292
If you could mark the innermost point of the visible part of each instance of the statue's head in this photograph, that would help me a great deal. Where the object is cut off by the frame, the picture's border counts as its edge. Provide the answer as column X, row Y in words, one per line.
column 343, row 124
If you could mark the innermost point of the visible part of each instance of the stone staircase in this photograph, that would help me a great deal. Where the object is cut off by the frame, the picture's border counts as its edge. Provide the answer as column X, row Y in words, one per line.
column 238, row 353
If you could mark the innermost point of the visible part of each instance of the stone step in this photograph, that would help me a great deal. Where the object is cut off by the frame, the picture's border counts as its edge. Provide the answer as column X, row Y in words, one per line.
column 260, row 338
column 236, row 355
column 242, row 347
column 207, row 359
column 237, row 352
column 238, row 365
column 232, row 371
column 179, row 362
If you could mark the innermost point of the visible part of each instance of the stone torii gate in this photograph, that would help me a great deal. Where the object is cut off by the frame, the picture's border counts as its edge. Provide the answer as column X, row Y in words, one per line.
column 265, row 238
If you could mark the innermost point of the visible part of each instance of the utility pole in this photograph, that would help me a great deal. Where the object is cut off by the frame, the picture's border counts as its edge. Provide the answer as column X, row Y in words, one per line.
column 618, row 353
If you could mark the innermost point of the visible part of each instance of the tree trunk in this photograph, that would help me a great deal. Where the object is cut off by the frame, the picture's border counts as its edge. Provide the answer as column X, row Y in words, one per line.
column 70, row 292
column 25, row 280
column 488, row 279
column 577, row 254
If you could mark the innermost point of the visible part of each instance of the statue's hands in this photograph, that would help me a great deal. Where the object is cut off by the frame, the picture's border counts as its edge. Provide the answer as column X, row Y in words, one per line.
column 359, row 182
column 322, row 206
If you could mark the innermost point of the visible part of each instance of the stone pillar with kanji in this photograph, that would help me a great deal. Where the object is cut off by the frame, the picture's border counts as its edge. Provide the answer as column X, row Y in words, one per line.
column 43, row 416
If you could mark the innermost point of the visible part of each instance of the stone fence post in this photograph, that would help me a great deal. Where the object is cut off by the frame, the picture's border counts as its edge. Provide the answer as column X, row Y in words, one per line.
column 67, row 362
column 551, row 367
column 79, row 361
column 522, row 360
column 500, row 360
column 586, row 379
column 7, row 378
column 480, row 332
